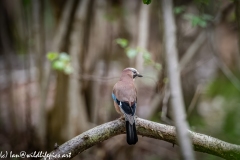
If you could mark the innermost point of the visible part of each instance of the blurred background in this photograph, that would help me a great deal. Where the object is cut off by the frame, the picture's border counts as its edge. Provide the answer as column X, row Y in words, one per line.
column 59, row 60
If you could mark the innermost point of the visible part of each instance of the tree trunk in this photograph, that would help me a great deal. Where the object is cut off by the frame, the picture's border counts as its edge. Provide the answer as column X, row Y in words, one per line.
column 57, row 117
column 143, row 34
column 237, row 14
column 77, row 117
column 39, row 49
column 177, row 103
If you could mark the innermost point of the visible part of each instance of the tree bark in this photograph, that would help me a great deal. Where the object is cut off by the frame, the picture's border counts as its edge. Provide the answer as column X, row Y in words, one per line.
column 99, row 38
column 7, row 49
column 177, row 104
column 54, row 124
column 143, row 34
column 77, row 108
column 237, row 13
column 39, row 49
column 201, row 142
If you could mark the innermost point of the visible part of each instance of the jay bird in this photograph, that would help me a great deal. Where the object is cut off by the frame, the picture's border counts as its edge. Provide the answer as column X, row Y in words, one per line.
column 125, row 101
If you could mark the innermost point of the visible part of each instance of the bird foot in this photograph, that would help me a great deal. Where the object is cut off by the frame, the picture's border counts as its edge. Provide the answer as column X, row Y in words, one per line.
column 122, row 118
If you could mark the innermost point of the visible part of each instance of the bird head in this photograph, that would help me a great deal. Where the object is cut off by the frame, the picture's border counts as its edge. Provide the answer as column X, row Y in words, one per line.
column 134, row 73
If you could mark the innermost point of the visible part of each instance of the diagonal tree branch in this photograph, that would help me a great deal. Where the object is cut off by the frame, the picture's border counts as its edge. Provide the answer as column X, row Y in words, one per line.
column 192, row 50
column 201, row 142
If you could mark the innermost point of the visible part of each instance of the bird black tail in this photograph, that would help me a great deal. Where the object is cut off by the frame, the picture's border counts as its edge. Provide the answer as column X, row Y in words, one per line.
column 131, row 133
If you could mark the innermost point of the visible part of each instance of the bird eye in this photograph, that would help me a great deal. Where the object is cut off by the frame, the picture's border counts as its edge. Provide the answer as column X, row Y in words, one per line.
column 134, row 72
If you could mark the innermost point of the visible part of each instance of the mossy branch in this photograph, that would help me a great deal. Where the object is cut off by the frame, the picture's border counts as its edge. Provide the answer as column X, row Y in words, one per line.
column 201, row 142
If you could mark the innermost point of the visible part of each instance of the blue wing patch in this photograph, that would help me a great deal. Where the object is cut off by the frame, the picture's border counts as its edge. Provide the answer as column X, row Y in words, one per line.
column 114, row 97
column 125, row 106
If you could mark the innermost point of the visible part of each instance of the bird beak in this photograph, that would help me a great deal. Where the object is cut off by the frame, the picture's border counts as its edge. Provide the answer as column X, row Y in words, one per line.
column 139, row 75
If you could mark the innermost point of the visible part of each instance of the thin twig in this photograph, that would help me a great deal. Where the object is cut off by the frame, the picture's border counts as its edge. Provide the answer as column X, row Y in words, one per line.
column 93, row 78
column 192, row 50
column 196, row 65
column 228, row 73
column 101, row 78
column 194, row 100
column 165, row 106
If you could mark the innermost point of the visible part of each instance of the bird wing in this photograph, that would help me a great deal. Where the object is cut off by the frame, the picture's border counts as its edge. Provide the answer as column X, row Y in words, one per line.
column 128, row 111
column 125, row 95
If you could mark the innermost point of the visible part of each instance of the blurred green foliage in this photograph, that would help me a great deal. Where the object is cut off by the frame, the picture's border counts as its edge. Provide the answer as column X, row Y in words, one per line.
column 179, row 9
column 122, row 42
column 60, row 62
column 198, row 20
column 132, row 52
column 231, row 126
column 222, row 87
column 147, row 1
column 231, row 17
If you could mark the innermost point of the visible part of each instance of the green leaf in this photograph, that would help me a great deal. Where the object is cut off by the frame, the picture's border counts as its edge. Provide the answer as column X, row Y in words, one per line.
column 188, row 16
column 158, row 66
column 207, row 17
column 122, row 42
column 64, row 57
column 140, row 49
column 179, row 9
column 165, row 80
column 131, row 52
column 147, row 1
column 52, row 56
column 203, row 24
column 198, row 20
column 26, row 3
column 58, row 65
column 146, row 56
column 68, row 69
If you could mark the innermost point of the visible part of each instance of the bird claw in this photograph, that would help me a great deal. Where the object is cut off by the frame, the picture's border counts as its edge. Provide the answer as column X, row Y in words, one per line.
column 122, row 118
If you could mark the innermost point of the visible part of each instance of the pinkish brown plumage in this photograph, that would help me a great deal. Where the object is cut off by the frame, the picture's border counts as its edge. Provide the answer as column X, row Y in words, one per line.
column 125, row 101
